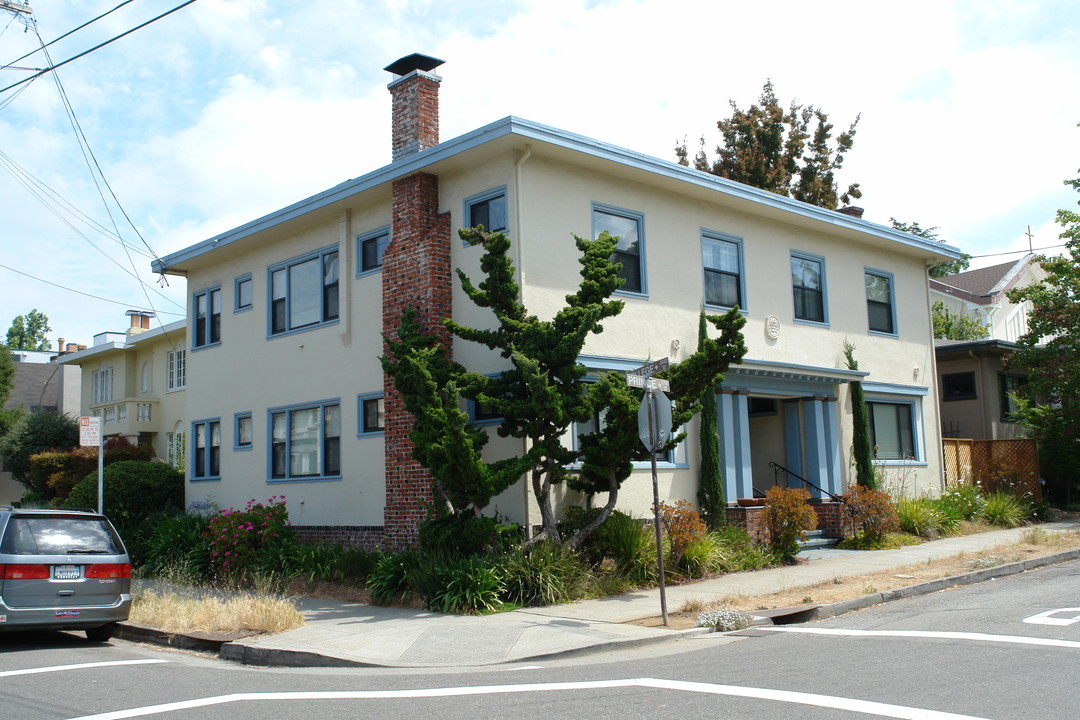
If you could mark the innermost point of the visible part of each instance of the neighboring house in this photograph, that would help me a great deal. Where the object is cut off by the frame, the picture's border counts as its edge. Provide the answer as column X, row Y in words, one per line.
column 134, row 381
column 286, row 395
column 974, row 380
column 40, row 384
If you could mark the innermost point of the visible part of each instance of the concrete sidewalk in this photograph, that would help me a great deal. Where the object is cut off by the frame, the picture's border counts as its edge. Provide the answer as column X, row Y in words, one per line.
column 351, row 634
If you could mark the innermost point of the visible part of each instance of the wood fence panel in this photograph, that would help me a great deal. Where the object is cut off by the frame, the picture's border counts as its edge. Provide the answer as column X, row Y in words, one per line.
column 1011, row 465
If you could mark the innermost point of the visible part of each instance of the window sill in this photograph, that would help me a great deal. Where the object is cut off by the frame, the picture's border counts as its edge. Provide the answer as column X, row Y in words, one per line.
column 306, row 328
column 196, row 348
column 813, row 323
column 726, row 308
column 319, row 478
column 241, row 448
column 632, row 293
column 213, row 478
column 881, row 333
column 371, row 434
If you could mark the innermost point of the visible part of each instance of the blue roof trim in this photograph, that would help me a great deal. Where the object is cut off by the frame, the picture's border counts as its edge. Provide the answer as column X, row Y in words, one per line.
column 526, row 129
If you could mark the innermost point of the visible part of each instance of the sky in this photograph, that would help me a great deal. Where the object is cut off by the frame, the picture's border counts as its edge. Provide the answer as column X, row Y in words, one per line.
column 226, row 110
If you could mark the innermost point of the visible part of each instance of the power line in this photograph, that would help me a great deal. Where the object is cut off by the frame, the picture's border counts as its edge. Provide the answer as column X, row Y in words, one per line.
column 1017, row 252
column 69, row 32
column 79, row 292
column 96, row 47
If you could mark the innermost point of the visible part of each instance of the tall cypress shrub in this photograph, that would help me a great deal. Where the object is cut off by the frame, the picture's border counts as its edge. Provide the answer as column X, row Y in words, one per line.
column 861, row 450
column 711, row 482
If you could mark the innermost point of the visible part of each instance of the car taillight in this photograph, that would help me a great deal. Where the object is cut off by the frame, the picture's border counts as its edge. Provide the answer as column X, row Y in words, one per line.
column 108, row 570
column 24, row 572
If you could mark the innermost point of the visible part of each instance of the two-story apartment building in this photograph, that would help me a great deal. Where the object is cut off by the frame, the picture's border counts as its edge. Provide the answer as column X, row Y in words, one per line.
column 975, row 382
column 285, row 391
column 134, row 381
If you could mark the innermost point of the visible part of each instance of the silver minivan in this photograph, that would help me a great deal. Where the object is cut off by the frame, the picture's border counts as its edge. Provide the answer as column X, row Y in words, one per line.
column 62, row 570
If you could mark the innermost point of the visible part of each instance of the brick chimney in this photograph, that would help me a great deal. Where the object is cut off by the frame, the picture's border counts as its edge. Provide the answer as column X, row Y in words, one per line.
column 140, row 321
column 851, row 210
column 415, row 104
column 416, row 273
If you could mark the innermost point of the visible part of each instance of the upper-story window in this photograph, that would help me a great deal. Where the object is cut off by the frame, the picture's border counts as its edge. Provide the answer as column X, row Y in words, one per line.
column 371, row 247
column 880, row 307
column 304, row 292
column 207, row 309
column 487, row 209
column 144, row 381
column 629, row 227
column 176, row 371
column 721, row 258
column 372, row 410
column 305, row 442
column 244, row 292
column 207, row 449
column 102, row 391
column 808, row 287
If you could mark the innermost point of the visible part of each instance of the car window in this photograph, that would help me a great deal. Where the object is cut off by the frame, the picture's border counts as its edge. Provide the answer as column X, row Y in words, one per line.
column 59, row 536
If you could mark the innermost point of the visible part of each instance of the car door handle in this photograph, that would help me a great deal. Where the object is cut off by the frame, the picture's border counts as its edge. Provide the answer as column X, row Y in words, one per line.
column 65, row 593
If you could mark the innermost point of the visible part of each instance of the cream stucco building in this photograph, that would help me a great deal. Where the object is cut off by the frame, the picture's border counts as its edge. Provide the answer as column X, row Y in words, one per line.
column 285, row 394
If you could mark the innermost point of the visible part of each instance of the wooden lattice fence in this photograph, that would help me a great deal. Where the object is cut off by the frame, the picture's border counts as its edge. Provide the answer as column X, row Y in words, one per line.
column 1011, row 465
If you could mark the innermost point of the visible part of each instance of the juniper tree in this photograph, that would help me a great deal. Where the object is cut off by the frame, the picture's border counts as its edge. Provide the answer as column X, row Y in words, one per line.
column 862, row 452
column 543, row 394
column 710, row 481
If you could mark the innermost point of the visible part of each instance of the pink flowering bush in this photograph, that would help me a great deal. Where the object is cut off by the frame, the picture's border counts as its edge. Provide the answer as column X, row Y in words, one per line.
column 237, row 537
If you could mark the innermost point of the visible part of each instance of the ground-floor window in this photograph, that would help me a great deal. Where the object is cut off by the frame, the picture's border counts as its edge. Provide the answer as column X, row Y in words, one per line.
column 305, row 441
column 892, row 430
column 206, row 460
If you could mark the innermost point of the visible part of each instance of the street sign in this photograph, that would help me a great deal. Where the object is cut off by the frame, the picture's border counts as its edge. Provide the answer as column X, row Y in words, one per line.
column 648, row 383
column 650, row 369
column 655, row 431
column 89, row 431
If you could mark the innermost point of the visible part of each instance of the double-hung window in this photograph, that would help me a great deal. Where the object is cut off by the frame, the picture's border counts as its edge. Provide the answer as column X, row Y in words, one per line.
column 958, row 386
column 370, row 249
column 207, row 309
column 305, row 442
column 206, row 443
column 243, row 434
column 304, row 292
column 880, row 307
column 721, row 258
column 629, row 228
column 372, row 410
column 177, row 374
column 808, row 287
column 244, row 293
column 892, row 430
column 1008, row 386
column 487, row 209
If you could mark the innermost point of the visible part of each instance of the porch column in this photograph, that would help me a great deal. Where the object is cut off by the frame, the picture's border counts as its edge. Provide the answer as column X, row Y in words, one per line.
column 832, row 446
column 817, row 467
column 793, row 458
column 734, row 420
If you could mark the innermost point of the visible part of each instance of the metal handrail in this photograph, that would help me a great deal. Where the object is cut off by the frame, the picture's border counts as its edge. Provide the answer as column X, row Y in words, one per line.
column 777, row 469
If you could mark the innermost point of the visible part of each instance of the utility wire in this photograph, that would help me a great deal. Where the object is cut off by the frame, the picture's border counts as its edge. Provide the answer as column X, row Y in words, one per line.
column 96, row 47
column 69, row 32
column 79, row 292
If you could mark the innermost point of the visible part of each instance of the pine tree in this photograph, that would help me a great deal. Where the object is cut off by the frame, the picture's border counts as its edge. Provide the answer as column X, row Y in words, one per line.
column 861, row 450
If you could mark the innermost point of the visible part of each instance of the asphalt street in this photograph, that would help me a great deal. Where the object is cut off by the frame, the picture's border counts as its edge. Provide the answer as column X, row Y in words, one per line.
column 1002, row 649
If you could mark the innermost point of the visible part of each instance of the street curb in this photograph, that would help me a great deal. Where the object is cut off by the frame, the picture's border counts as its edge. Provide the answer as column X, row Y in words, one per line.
column 821, row 612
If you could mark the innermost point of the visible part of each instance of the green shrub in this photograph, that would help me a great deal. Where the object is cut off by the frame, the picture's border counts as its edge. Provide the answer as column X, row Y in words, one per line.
column 738, row 552
column 466, row 584
column 949, row 516
column 31, row 434
column 683, row 526
column 466, row 533
column 788, row 516
column 888, row 541
column 702, row 556
column 135, row 491
column 630, row 545
column 387, row 577
column 542, row 574
column 1003, row 510
column 355, row 564
column 178, row 545
column 919, row 516
column 289, row 558
column 965, row 500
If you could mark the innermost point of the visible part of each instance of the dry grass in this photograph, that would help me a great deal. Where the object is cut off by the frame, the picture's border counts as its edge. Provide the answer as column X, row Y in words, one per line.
column 1034, row 543
column 179, row 612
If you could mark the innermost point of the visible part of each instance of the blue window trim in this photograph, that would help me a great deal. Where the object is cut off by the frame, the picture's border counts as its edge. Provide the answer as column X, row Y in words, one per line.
column 892, row 303
column 237, row 307
column 874, row 394
column 237, row 417
column 714, row 235
column 192, row 316
column 642, row 264
column 479, row 198
column 321, row 252
column 191, row 457
column 270, row 479
column 824, row 289
column 360, row 399
column 360, row 271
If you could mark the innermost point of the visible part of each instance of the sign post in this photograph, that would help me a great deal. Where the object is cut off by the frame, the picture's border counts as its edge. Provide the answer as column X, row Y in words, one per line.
column 654, row 429
column 90, row 436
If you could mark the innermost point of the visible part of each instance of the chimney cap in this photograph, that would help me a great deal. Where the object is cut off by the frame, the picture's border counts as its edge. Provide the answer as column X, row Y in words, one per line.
column 416, row 61
column 141, row 313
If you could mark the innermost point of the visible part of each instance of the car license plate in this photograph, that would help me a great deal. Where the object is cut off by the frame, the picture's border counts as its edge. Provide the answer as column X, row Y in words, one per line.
column 67, row 613
column 67, row 572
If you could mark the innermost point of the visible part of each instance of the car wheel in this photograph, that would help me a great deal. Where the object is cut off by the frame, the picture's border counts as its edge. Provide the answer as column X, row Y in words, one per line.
column 100, row 634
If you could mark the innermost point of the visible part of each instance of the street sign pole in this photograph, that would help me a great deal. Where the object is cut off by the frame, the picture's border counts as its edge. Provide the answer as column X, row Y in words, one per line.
column 656, row 504
column 101, row 474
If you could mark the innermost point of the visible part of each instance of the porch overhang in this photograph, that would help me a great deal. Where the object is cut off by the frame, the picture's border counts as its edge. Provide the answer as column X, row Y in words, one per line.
column 781, row 378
